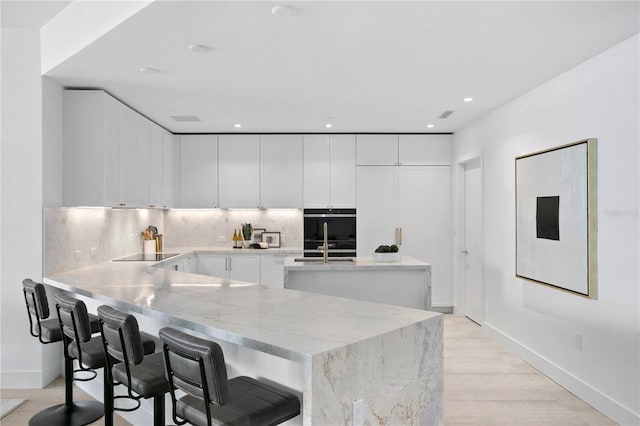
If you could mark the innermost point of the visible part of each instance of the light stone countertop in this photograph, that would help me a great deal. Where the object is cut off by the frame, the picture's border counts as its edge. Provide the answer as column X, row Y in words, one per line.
column 358, row 263
column 290, row 324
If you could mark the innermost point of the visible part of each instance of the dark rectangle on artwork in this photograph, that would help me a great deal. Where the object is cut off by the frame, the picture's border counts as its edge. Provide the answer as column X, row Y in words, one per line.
column 547, row 218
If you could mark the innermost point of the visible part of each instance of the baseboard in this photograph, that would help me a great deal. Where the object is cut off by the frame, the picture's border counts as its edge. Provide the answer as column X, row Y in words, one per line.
column 21, row 379
column 592, row 396
column 443, row 309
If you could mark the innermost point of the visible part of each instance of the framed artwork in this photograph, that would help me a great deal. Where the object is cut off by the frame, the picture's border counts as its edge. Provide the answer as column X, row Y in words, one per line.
column 257, row 235
column 271, row 238
column 556, row 217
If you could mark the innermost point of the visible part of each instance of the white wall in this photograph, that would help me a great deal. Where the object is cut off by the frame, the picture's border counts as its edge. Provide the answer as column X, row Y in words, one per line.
column 597, row 99
column 22, row 361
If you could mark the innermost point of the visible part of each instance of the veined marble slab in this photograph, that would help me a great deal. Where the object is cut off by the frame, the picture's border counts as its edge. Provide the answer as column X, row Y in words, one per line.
column 347, row 349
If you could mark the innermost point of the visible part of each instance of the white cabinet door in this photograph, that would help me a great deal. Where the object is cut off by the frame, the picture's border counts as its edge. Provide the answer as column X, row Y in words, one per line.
column 272, row 270
column 214, row 265
column 143, row 129
column 245, row 267
column 198, row 171
column 342, row 171
column 170, row 169
column 128, row 157
column 376, row 204
column 155, row 165
column 377, row 150
column 317, row 193
column 280, row 171
column 111, row 131
column 424, row 150
column 188, row 264
column 239, row 172
column 424, row 216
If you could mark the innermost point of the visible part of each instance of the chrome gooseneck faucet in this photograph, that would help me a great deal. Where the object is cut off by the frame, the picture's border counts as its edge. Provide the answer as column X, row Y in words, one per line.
column 325, row 244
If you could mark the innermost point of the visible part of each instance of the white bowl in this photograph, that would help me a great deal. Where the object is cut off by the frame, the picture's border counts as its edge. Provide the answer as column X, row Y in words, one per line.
column 386, row 257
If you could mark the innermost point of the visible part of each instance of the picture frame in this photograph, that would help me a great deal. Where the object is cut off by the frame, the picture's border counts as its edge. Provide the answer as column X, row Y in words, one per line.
column 271, row 238
column 256, row 236
column 556, row 217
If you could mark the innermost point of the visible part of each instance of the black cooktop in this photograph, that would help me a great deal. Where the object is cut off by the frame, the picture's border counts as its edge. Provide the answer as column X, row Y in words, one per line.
column 148, row 257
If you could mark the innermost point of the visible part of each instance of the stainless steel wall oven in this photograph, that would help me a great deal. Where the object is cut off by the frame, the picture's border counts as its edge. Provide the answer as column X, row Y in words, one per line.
column 341, row 237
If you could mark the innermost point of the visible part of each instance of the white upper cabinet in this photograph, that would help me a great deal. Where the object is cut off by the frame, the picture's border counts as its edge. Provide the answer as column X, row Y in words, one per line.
column 404, row 150
column 128, row 157
column 377, row 150
column 198, row 171
column 329, row 171
column 170, row 169
column 342, row 171
column 280, row 171
column 156, row 161
column 239, row 171
column 424, row 150
column 142, row 140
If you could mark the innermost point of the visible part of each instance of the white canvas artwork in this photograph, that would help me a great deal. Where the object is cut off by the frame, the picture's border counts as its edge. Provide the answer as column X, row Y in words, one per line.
column 553, row 222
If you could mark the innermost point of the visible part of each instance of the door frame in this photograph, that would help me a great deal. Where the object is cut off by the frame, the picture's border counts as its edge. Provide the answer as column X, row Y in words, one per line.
column 460, row 235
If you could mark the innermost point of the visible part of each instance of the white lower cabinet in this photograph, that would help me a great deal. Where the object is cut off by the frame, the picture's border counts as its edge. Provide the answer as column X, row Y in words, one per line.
column 272, row 270
column 244, row 267
column 185, row 264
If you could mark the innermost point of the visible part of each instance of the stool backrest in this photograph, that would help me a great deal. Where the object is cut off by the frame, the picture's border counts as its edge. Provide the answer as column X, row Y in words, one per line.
column 35, row 298
column 195, row 366
column 74, row 318
column 121, row 335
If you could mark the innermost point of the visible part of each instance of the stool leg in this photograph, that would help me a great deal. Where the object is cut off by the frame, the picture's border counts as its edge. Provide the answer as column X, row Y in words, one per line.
column 158, row 410
column 108, row 399
column 68, row 382
column 70, row 413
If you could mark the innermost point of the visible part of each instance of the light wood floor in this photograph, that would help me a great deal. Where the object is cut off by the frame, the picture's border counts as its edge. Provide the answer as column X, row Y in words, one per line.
column 483, row 385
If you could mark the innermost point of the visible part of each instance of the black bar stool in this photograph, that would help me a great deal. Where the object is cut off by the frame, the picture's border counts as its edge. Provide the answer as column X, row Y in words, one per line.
column 48, row 331
column 89, row 351
column 196, row 366
column 128, row 364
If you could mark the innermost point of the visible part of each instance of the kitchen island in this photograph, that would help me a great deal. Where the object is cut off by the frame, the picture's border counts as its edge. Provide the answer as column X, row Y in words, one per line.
column 332, row 351
column 405, row 282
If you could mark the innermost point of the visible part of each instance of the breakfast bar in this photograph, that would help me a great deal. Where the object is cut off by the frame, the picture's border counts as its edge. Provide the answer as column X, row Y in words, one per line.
column 332, row 351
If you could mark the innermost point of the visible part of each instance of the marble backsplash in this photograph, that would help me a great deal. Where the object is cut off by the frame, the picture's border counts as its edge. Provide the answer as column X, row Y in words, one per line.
column 214, row 227
column 113, row 233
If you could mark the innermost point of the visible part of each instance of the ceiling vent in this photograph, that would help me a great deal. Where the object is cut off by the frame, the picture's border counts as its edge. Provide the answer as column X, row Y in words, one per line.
column 446, row 114
column 185, row 118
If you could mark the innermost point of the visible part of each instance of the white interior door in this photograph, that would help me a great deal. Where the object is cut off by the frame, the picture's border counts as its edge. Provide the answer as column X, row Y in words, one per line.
column 474, row 275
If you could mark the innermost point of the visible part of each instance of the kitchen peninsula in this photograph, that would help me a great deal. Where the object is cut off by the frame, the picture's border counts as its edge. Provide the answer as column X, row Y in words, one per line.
column 405, row 282
column 332, row 351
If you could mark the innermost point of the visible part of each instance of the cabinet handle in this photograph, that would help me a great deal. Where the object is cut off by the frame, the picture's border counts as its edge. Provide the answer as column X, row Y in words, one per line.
column 400, row 236
column 229, row 263
column 226, row 263
column 151, row 205
column 395, row 239
column 123, row 204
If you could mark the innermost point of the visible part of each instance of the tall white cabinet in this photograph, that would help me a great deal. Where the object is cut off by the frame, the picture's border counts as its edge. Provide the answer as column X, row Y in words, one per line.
column 280, row 171
column 239, row 171
column 329, row 171
column 408, row 205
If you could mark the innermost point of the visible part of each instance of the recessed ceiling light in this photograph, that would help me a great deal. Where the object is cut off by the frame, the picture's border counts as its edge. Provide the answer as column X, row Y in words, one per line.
column 149, row 70
column 200, row 48
column 284, row 10
column 467, row 99
column 431, row 126
column 237, row 125
column 328, row 125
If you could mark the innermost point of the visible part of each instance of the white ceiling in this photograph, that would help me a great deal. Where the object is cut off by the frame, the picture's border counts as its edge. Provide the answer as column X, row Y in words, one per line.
column 29, row 13
column 383, row 66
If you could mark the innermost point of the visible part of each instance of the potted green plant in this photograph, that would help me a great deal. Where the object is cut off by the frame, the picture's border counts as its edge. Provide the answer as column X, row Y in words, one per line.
column 385, row 253
column 247, row 229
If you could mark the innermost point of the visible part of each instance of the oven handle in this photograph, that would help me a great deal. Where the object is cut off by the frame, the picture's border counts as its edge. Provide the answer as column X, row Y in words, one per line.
column 329, row 215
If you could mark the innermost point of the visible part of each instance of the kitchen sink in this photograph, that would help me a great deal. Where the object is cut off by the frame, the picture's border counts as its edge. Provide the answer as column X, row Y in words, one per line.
column 319, row 259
